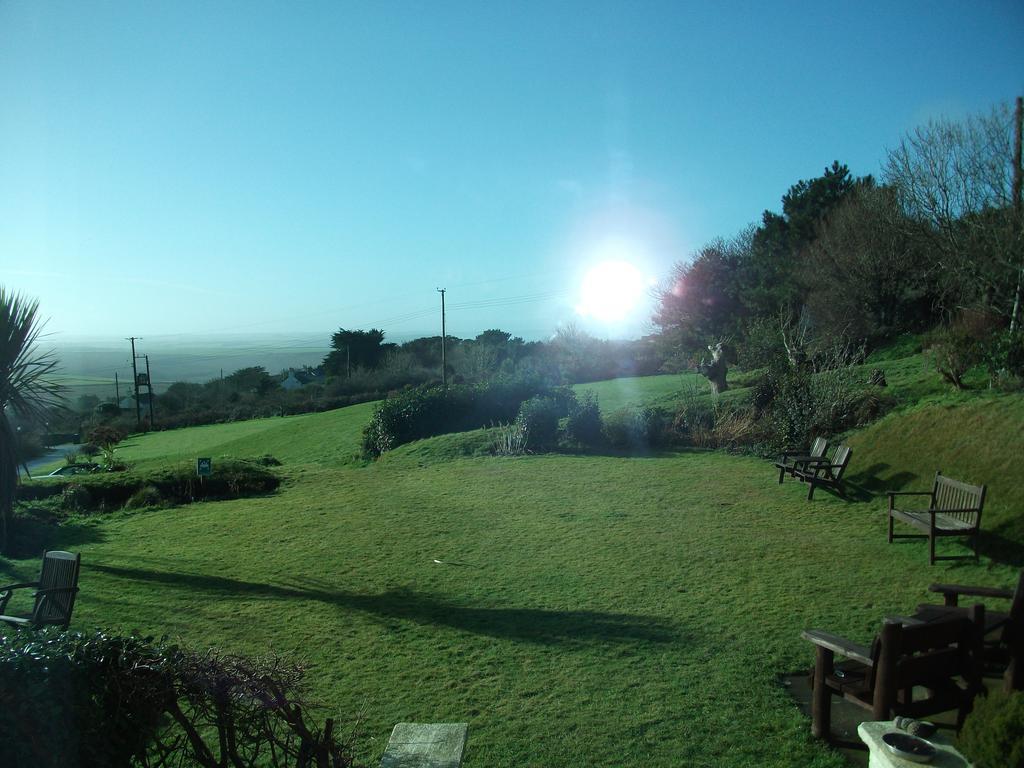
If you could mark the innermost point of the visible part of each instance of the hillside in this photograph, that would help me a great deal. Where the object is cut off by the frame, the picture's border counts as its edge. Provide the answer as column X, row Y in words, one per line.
column 575, row 610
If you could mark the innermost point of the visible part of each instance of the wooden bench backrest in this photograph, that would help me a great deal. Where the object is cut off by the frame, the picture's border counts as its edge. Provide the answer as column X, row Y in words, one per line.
column 819, row 446
column 839, row 461
column 60, row 569
column 948, row 493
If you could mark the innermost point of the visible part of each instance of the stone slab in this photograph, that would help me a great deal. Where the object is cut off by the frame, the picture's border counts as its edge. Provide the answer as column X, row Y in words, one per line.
column 426, row 745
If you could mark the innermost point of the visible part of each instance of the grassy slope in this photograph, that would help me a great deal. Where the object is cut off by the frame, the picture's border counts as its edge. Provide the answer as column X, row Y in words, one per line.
column 590, row 611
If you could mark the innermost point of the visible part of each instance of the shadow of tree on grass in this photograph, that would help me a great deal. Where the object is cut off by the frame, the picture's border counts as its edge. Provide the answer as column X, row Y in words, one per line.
column 527, row 624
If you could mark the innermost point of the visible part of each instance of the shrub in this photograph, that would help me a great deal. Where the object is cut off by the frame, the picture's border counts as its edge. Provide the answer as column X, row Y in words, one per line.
column 954, row 351
column 427, row 411
column 76, row 498
column 511, row 440
column 1004, row 358
column 584, row 425
column 538, row 417
column 637, row 429
column 147, row 496
column 99, row 701
column 993, row 734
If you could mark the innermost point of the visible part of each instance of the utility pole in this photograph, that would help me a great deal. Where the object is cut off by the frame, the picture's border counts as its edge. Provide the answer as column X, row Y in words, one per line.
column 1018, row 223
column 348, row 361
column 135, row 383
column 149, row 387
column 117, row 391
column 444, row 374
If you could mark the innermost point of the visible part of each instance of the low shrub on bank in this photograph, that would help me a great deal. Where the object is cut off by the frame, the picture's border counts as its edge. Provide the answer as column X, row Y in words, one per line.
column 103, row 701
column 232, row 479
column 538, row 418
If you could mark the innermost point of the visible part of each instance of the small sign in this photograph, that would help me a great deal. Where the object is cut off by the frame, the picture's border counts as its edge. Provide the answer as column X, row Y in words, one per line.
column 204, row 467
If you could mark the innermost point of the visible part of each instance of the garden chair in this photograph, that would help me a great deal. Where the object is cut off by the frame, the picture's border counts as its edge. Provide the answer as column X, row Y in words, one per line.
column 54, row 596
column 791, row 461
column 827, row 472
column 941, row 658
column 1004, row 630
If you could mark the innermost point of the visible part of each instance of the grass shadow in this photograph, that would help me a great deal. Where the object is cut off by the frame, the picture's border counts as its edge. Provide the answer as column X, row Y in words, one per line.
column 532, row 625
column 32, row 535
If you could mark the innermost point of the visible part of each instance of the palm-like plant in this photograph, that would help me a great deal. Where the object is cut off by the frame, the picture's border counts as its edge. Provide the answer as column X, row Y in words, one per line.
column 27, row 388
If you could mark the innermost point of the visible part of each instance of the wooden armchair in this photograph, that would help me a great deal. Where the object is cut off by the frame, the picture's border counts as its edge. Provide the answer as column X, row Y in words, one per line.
column 942, row 657
column 827, row 472
column 1004, row 630
column 55, row 592
column 791, row 461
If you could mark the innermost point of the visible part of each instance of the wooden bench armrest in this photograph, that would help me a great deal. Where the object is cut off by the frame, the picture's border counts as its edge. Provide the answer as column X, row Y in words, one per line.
column 961, row 589
column 838, row 644
column 9, row 587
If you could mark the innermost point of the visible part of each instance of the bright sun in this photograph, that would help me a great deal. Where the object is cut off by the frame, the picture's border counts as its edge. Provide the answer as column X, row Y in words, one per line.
column 610, row 291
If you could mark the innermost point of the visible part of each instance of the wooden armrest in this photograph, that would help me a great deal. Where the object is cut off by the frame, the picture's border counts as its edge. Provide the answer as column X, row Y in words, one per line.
column 960, row 589
column 9, row 587
column 838, row 644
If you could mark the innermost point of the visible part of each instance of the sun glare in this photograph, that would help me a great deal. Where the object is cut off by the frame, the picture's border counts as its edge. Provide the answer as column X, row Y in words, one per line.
column 610, row 291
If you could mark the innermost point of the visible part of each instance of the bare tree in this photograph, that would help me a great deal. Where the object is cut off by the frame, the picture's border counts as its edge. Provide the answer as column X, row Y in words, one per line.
column 954, row 181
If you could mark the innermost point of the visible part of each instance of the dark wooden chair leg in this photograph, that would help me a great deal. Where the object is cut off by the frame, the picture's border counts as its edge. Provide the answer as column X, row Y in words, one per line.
column 821, row 697
column 810, row 489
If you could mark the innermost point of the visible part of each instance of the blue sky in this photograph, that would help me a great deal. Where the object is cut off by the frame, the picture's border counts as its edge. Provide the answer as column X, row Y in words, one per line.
column 249, row 168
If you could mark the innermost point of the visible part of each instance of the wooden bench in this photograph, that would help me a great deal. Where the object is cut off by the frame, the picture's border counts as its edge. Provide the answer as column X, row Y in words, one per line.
column 954, row 509
column 791, row 461
column 827, row 472
column 426, row 745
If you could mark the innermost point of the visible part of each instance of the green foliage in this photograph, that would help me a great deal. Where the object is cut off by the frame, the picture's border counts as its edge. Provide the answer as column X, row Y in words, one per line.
column 146, row 496
column 231, row 479
column 584, row 425
column 538, row 418
column 84, row 700
column 761, row 344
column 638, row 430
column 103, row 701
column 993, row 734
column 1004, row 358
column 795, row 404
column 428, row 411
column 954, row 350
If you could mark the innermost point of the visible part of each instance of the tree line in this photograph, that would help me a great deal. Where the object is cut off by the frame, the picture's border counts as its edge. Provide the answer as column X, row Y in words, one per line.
column 935, row 241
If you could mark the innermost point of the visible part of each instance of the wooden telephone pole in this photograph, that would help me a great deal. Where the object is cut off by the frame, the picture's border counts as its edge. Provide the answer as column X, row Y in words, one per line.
column 1018, row 224
column 444, row 373
column 135, row 384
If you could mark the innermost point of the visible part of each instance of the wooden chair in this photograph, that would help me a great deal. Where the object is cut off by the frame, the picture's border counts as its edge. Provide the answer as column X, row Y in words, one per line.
column 54, row 596
column 933, row 656
column 1004, row 630
column 954, row 509
column 827, row 472
column 788, row 462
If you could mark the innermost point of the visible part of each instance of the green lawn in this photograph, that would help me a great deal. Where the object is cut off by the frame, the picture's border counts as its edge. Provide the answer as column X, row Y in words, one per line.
column 597, row 610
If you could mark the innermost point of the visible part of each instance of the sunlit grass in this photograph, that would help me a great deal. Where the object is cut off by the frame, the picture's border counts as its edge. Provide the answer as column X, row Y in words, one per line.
column 588, row 610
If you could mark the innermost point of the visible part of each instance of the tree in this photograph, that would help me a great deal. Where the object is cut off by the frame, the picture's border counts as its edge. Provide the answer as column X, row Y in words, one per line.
column 352, row 349
column 701, row 303
column 27, row 388
column 863, row 276
column 769, row 281
column 954, row 181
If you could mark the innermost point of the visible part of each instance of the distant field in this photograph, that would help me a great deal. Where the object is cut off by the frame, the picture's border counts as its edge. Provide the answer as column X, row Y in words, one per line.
column 587, row 610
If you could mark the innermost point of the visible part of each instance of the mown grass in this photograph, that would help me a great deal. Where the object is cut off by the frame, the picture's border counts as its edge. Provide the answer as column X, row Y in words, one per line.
column 587, row 610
